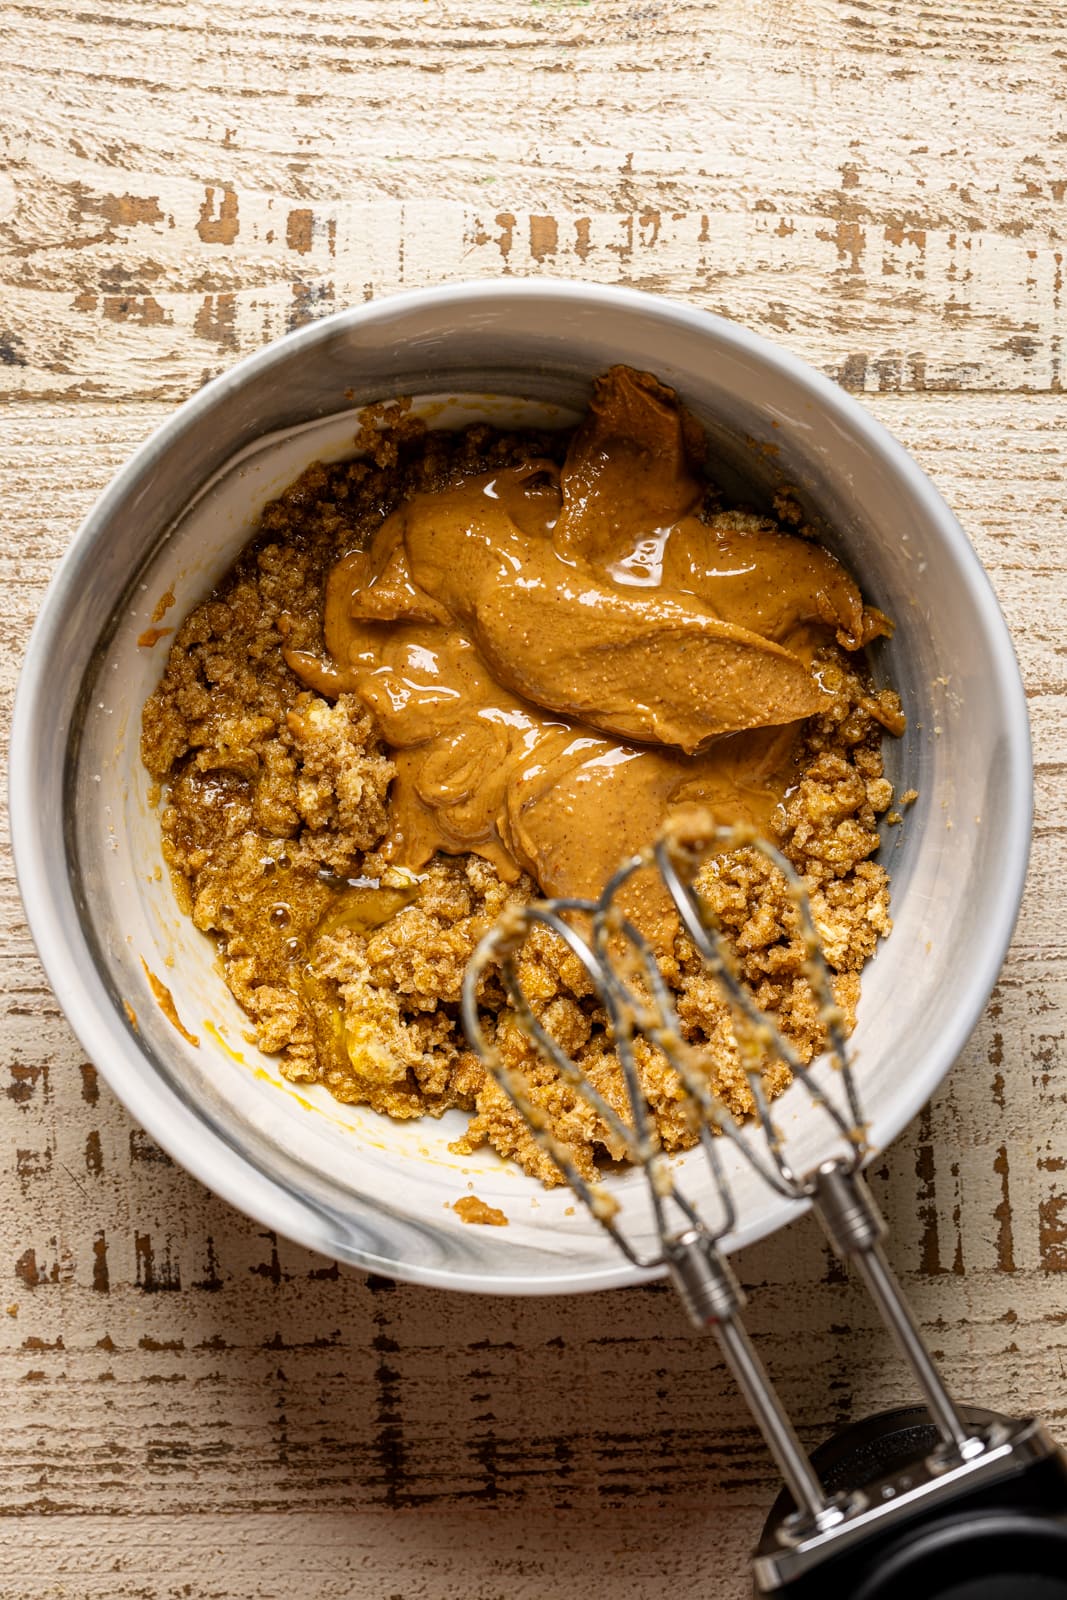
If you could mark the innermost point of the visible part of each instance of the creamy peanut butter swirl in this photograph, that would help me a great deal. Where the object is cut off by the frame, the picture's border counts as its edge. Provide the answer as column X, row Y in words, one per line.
column 559, row 659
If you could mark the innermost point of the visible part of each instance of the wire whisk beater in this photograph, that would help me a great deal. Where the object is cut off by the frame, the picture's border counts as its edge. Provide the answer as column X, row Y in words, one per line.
column 821, row 1529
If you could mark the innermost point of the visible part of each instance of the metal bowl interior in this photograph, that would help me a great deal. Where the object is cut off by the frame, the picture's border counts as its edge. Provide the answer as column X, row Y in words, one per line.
column 341, row 1179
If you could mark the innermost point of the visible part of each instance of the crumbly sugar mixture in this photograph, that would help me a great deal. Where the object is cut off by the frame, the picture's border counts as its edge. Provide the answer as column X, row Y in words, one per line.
column 275, row 806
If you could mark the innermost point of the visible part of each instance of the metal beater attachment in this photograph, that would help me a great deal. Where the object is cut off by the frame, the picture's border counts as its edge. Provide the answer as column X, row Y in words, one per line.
column 825, row 1533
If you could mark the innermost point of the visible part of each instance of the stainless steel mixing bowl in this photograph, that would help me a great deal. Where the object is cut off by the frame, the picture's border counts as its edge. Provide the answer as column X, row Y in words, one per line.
column 345, row 1181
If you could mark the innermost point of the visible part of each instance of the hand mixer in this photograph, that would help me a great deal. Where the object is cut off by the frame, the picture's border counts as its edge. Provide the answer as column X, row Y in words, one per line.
column 939, row 1501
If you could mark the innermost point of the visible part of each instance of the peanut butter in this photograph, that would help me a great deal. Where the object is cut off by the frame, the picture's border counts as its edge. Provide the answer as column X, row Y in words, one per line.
column 560, row 658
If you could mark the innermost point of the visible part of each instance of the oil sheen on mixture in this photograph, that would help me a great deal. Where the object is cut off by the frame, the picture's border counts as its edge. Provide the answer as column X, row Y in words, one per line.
column 543, row 648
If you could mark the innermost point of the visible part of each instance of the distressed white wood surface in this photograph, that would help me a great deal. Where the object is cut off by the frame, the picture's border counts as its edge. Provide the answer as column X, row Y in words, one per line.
column 190, row 1407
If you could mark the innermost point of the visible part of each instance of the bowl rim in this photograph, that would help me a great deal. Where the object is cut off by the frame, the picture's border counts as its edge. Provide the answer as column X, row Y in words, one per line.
column 200, row 1148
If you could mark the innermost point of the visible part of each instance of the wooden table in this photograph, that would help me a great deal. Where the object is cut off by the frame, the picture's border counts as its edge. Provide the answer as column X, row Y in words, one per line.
column 192, row 1407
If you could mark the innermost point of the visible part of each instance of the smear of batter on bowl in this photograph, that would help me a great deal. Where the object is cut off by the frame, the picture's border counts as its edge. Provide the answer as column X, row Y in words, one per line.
column 464, row 669
column 165, row 1001
column 470, row 1209
column 152, row 636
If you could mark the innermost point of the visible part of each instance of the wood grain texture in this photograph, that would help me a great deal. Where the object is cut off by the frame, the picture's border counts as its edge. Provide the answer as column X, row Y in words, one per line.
column 192, row 1407
column 183, row 181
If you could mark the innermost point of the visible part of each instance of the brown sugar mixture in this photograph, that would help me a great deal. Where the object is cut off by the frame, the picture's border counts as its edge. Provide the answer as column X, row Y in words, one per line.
column 470, row 1209
column 466, row 669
